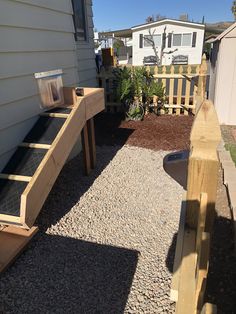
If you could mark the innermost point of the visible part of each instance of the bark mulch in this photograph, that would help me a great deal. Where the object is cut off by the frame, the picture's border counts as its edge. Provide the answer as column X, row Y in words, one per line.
column 154, row 132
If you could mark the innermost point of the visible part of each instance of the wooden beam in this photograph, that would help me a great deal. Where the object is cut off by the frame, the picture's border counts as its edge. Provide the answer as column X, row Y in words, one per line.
column 35, row 145
column 86, row 149
column 187, row 285
column 6, row 218
column 203, row 164
column 92, row 144
column 178, row 253
column 14, row 177
column 13, row 241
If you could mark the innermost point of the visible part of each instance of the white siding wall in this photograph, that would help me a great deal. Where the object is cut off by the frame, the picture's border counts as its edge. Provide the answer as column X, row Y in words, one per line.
column 225, row 88
column 86, row 52
column 35, row 36
column 194, row 53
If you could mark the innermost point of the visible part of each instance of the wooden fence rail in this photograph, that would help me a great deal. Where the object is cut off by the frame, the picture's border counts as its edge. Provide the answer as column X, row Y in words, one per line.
column 185, row 87
column 197, row 216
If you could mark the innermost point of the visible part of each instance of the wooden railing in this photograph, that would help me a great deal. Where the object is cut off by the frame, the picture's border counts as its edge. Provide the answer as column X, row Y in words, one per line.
column 185, row 87
column 197, row 216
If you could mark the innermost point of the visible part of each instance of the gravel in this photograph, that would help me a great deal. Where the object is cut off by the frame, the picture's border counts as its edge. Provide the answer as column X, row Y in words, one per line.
column 106, row 242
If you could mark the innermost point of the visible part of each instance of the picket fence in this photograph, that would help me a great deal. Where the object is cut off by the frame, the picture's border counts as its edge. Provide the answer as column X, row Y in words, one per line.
column 185, row 87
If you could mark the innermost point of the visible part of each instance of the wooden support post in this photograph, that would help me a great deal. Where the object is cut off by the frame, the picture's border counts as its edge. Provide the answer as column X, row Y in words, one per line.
column 203, row 164
column 92, row 144
column 86, row 150
column 201, row 90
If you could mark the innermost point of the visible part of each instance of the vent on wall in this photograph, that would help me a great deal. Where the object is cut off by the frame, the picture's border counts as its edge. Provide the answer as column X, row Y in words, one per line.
column 50, row 88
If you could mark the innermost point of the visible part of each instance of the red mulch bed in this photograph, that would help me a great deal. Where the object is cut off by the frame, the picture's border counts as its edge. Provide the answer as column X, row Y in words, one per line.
column 154, row 132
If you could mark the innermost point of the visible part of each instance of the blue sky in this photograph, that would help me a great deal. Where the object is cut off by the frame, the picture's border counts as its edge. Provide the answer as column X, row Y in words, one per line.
column 110, row 14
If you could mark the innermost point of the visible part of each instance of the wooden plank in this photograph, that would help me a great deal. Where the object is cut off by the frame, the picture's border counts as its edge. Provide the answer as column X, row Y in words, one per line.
column 178, row 253
column 187, row 285
column 179, row 90
column 42, row 182
column 203, row 164
column 4, row 219
column 86, row 151
column 35, row 145
column 202, row 269
column 12, row 242
column 171, row 90
column 187, row 91
column 92, row 143
column 14, row 177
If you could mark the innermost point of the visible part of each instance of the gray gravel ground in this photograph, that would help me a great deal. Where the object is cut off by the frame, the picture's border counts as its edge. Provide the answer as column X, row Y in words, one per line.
column 106, row 241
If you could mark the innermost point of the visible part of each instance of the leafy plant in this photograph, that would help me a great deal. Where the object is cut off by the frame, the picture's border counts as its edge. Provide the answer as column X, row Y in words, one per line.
column 136, row 88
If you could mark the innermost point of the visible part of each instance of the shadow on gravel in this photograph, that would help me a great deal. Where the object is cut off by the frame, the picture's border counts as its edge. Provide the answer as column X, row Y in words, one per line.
column 221, row 279
column 65, row 275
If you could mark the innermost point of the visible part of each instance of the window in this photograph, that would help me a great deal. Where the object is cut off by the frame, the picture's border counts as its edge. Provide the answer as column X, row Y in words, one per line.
column 182, row 40
column 149, row 39
column 187, row 40
column 177, row 39
column 79, row 20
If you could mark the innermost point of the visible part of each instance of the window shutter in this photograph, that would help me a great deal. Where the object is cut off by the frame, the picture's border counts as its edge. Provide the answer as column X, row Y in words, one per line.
column 141, row 41
column 169, row 40
column 194, row 39
column 164, row 40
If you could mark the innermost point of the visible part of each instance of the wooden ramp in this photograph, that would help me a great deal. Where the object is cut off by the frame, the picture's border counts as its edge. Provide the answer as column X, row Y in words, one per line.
column 30, row 174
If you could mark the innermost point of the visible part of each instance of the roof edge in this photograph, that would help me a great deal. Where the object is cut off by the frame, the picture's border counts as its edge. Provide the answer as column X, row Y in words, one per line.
column 227, row 31
column 166, row 21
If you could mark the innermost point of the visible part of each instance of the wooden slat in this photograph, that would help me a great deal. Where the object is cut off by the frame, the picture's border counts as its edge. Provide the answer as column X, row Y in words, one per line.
column 35, row 145
column 14, row 177
column 179, row 90
column 201, row 220
column 171, row 90
column 178, row 253
column 187, row 285
column 188, row 89
column 4, row 219
column 13, row 241
column 163, row 83
column 55, row 115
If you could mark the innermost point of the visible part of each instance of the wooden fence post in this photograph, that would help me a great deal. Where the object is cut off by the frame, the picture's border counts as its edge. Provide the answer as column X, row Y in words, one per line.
column 203, row 164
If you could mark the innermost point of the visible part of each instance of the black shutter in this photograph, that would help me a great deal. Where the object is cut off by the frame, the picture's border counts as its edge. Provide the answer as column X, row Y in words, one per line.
column 194, row 39
column 141, row 41
column 164, row 40
column 169, row 40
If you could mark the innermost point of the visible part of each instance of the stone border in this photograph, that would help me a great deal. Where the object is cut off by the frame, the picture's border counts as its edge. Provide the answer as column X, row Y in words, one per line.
column 229, row 178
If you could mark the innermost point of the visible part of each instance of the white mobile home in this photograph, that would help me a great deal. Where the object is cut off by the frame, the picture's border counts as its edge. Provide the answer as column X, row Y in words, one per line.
column 37, row 36
column 223, row 76
column 175, row 42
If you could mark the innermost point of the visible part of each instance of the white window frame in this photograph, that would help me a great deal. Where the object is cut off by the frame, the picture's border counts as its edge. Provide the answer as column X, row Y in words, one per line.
column 151, row 45
column 190, row 45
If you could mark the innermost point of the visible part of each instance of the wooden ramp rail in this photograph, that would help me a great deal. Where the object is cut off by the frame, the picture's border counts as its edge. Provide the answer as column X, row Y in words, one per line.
column 30, row 175
column 197, row 216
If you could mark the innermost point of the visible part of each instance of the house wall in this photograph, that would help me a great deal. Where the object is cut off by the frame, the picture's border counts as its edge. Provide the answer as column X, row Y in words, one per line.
column 86, row 52
column 225, row 87
column 194, row 53
column 36, row 36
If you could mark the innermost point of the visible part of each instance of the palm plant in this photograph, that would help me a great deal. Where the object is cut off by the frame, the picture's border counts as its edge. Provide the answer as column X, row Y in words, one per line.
column 233, row 9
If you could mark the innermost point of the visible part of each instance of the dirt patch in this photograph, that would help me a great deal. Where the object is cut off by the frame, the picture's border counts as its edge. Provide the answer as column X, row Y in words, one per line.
column 154, row 132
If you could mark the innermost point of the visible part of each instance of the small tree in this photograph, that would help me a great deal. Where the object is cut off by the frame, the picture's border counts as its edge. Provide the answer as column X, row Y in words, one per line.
column 233, row 9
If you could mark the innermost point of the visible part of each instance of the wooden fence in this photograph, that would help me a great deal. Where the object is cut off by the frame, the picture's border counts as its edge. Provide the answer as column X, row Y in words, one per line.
column 197, row 216
column 185, row 87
